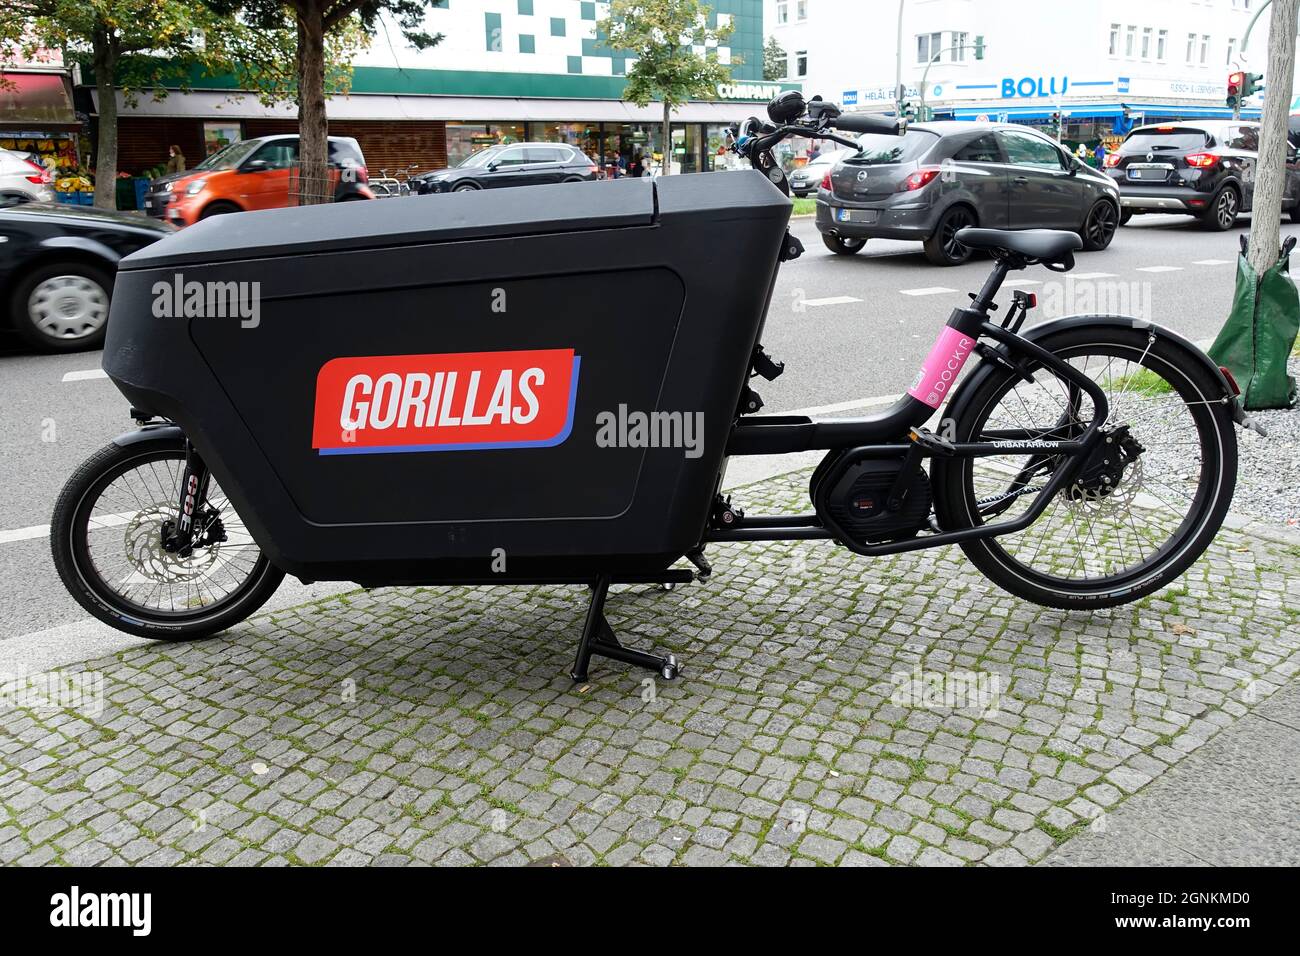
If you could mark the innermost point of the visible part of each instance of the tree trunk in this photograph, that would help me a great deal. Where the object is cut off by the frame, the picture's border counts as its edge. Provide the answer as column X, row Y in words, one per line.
column 1270, row 171
column 313, row 125
column 104, row 55
column 666, row 166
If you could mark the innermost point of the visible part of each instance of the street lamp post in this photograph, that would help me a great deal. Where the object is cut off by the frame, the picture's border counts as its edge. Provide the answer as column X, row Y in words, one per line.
column 977, row 47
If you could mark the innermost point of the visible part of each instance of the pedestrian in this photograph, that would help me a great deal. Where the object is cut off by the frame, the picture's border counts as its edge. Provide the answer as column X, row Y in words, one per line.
column 816, row 151
column 1100, row 154
column 1082, row 152
column 175, row 160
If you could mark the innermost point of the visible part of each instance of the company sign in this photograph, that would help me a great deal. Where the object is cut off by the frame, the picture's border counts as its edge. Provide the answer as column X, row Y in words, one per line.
column 1027, row 86
column 748, row 91
column 457, row 401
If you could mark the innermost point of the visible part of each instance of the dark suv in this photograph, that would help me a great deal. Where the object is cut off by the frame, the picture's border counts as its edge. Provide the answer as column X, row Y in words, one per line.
column 938, row 178
column 1204, row 169
column 512, row 164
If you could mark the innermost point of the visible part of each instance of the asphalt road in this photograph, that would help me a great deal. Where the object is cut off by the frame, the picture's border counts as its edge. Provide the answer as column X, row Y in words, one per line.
column 847, row 327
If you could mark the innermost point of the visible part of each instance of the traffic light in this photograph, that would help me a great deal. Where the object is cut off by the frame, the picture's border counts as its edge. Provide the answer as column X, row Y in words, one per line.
column 979, row 47
column 908, row 108
column 1236, row 83
column 1254, row 83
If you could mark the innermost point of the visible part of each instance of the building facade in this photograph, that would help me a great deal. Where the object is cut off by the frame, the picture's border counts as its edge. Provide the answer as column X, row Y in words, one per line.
column 506, row 70
column 1101, row 64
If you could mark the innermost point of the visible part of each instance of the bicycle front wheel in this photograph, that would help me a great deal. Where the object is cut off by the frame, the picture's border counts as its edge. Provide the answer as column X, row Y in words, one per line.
column 1143, row 508
column 107, row 540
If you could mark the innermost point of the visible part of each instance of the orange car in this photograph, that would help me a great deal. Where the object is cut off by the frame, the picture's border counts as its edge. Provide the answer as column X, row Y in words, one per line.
column 259, row 173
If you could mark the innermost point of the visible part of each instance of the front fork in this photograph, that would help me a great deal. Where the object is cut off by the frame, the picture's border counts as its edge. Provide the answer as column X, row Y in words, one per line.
column 178, row 538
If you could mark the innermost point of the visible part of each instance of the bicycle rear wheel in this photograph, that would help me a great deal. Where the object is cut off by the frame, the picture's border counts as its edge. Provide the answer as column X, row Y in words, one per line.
column 1147, row 504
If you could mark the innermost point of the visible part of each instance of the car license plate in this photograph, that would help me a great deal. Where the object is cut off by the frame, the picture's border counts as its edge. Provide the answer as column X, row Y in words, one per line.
column 855, row 215
column 1157, row 171
column 148, row 204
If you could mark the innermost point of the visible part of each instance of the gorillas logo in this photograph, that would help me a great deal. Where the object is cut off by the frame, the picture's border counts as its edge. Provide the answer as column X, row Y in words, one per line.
column 449, row 402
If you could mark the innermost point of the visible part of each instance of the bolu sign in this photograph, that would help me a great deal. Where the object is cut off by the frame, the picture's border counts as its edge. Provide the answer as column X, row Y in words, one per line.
column 1028, row 86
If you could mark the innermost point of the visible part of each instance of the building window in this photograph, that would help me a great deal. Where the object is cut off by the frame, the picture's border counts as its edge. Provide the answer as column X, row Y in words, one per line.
column 588, row 11
column 1191, row 48
column 928, row 46
column 1232, row 50
column 801, row 63
column 1205, row 50
column 575, row 64
column 525, row 8
column 492, row 23
column 783, row 13
column 1114, row 40
column 557, row 26
column 1130, row 42
column 958, row 47
column 801, row 10
column 1146, row 43
column 782, row 65
column 527, row 44
column 1162, row 45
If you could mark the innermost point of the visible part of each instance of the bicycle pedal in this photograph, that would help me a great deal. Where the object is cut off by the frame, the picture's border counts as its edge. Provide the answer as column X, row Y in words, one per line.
column 933, row 443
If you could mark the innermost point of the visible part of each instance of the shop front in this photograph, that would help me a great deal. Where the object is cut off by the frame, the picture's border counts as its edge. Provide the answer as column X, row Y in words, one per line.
column 429, row 132
column 37, row 118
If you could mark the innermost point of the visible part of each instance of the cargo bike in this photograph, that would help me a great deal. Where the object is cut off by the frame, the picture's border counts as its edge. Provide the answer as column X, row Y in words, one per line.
column 423, row 395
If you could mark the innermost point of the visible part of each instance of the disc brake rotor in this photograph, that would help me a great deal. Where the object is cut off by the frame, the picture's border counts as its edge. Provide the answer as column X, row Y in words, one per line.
column 143, row 540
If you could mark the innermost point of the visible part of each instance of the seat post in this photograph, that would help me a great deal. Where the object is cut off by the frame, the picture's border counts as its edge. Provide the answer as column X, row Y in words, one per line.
column 992, row 284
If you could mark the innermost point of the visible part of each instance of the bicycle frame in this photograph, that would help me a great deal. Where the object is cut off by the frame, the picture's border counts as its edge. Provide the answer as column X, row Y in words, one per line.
column 896, row 433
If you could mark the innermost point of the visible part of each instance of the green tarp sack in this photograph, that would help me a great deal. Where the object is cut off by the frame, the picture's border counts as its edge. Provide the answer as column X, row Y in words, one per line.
column 1256, row 341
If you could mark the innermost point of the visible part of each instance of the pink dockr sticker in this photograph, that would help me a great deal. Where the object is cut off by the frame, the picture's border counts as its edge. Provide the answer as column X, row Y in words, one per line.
column 941, row 367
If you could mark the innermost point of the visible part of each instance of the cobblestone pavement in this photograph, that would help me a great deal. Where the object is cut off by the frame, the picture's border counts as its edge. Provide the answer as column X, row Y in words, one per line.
column 437, row 726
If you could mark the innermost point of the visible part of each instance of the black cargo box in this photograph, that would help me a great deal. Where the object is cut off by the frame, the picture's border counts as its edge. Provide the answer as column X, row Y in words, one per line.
column 413, row 384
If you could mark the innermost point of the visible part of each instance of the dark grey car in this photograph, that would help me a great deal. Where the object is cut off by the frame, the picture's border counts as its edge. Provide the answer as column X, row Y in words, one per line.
column 941, row 177
column 513, row 164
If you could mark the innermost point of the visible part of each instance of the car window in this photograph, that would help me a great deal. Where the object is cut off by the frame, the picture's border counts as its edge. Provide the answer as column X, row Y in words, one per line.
column 982, row 149
column 228, row 157
column 511, row 157
column 546, row 154
column 346, row 152
column 280, row 154
column 1025, row 149
column 875, row 149
column 1242, row 137
column 1164, row 139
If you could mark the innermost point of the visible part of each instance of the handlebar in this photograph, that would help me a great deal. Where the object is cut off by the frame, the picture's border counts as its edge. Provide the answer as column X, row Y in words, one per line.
column 866, row 123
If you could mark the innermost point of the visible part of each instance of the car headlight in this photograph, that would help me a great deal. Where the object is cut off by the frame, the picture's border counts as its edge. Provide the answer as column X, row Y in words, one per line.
column 196, row 187
column 167, row 187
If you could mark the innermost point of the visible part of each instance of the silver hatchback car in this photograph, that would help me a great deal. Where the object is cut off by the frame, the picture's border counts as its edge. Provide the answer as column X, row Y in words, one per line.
column 22, row 179
column 941, row 177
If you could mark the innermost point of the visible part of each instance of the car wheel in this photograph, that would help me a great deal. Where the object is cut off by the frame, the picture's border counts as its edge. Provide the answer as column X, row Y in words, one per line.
column 63, row 307
column 844, row 245
column 1124, row 217
column 942, row 248
column 1099, row 228
column 572, row 179
column 219, row 209
column 464, row 188
column 1222, row 214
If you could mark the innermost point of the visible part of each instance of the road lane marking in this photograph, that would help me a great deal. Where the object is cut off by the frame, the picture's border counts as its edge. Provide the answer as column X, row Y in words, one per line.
column 1212, row 262
column 1160, row 269
column 1011, row 282
column 1091, row 275
column 928, row 290
column 85, row 375
column 97, row 523
column 842, row 406
column 832, row 300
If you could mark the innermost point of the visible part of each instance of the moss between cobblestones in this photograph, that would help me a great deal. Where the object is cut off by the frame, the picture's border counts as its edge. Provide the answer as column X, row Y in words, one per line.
column 465, row 743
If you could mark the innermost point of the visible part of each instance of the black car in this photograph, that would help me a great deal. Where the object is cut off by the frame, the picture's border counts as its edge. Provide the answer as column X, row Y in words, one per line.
column 938, row 178
column 512, row 164
column 57, row 265
column 1202, row 169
